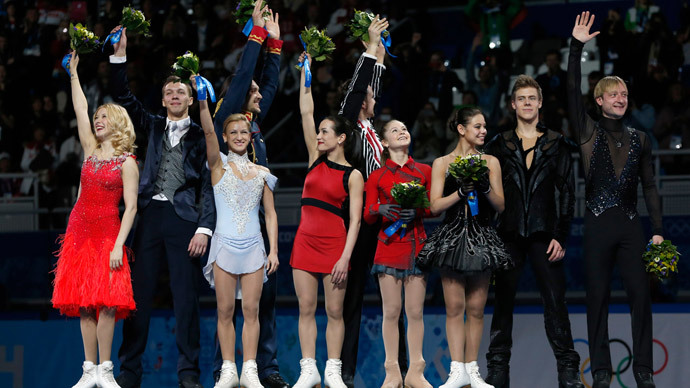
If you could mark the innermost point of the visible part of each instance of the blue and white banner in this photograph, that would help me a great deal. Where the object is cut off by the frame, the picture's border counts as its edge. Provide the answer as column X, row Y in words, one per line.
column 56, row 346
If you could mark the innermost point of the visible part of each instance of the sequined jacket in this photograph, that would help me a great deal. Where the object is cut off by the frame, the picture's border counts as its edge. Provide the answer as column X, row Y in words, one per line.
column 613, row 157
column 530, row 194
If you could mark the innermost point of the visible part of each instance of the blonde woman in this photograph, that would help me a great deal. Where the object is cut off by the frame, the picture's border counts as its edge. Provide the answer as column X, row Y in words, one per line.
column 237, row 258
column 92, row 278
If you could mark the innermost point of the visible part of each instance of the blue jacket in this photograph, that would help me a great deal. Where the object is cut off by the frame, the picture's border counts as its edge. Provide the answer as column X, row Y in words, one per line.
column 197, row 186
column 236, row 95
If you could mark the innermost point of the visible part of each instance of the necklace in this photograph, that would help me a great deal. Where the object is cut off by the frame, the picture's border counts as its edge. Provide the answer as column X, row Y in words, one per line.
column 618, row 141
column 241, row 162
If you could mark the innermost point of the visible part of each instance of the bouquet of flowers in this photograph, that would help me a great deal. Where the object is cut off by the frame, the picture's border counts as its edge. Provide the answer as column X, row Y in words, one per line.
column 244, row 10
column 359, row 26
column 409, row 195
column 661, row 259
column 471, row 167
column 316, row 43
column 186, row 66
column 135, row 21
column 82, row 41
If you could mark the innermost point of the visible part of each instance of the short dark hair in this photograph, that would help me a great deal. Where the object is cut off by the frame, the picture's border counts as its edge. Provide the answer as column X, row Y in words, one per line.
column 172, row 79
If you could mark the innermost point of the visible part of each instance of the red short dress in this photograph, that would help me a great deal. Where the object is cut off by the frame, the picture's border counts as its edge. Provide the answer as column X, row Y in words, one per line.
column 399, row 250
column 83, row 277
column 321, row 235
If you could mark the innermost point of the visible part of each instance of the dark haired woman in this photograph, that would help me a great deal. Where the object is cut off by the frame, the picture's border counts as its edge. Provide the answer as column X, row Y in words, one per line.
column 394, row 261
column 323, row 245
column 465, row 248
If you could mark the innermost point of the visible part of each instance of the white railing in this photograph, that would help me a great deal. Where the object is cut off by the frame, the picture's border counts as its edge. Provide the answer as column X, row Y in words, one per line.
column 20, row 213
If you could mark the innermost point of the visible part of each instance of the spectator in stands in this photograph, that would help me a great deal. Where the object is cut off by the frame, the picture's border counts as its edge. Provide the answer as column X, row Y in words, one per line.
column 39, row 155
column 428, row 134
column 672, row 129
column 637, row 16
column 488, row 87
column 442, row 83
column 9, row 187
column 553, row 88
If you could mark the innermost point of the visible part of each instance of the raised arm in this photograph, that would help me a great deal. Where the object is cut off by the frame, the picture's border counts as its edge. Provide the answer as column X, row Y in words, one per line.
column 119, row 86
column 236, row 94
column 363, row 76
column 81, row 109
column 306, row 108
column 356, row 190
column 212, row 145
column 578, row 115
column 130, row 190
column 268, row 84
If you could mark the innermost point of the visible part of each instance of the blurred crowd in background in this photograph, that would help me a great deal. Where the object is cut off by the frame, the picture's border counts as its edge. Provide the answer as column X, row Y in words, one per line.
column 429, row 77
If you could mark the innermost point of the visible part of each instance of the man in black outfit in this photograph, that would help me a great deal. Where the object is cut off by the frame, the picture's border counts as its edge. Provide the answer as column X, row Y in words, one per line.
column 170, row 229
column 535, row 162
column 614, row 157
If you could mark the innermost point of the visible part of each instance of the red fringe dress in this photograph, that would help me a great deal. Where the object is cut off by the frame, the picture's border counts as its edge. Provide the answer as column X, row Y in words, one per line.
column 82, row 276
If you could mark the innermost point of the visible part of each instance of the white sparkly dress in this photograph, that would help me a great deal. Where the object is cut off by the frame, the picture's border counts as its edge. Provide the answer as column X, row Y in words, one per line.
column 237, row 246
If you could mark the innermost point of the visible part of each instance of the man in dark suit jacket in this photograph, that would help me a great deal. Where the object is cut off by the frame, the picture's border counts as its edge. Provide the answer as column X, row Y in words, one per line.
column 170, row 227
column 244, row 95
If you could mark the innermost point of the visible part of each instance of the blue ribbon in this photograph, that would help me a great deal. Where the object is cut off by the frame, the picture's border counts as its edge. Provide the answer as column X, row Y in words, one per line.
column 202, row 86
column 305, row 63
column 65, row 63
column 389, row 231
column 112, row 38
column 387, row 43
column 248, row 27
column 473, row 201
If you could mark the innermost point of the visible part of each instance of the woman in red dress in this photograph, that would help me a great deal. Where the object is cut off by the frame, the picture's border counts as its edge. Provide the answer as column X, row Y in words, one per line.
column 92, row 279
column 323, row 245
column 394, row 263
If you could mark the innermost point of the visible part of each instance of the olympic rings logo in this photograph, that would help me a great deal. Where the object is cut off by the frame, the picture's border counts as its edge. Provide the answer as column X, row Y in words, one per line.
column 623, row 365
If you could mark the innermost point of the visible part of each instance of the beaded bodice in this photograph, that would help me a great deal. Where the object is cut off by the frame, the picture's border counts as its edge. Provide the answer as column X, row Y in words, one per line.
column 97, row 208
column 237, row 202
column 606, row 190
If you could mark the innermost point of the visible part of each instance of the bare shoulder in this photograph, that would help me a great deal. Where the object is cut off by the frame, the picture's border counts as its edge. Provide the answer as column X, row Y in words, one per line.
column 490, row 159
column 356, row 176
column 262, row 168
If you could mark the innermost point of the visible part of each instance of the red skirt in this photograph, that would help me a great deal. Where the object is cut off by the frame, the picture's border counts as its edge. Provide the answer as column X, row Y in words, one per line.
column 83, row 278
column 316, row 253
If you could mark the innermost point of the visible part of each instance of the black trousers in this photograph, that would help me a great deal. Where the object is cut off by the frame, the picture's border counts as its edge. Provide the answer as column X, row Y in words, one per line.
column 360, row 266
column 162, row 236
column 612, row 238
column 551, row 281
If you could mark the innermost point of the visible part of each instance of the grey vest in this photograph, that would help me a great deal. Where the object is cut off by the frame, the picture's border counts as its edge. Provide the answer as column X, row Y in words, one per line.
column 171, row 171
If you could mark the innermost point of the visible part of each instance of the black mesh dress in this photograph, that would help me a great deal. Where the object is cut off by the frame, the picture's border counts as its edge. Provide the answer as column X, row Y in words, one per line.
column 464, row 243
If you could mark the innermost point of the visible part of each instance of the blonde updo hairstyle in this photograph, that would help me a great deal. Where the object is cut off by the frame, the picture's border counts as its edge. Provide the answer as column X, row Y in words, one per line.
column 235, row 117
column 122, row 130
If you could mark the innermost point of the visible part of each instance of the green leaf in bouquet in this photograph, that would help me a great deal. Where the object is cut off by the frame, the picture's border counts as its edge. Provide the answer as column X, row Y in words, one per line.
column 135, row 21
column 186, row 66
column 82, row 40
column 320, row 58
column 244, row 10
